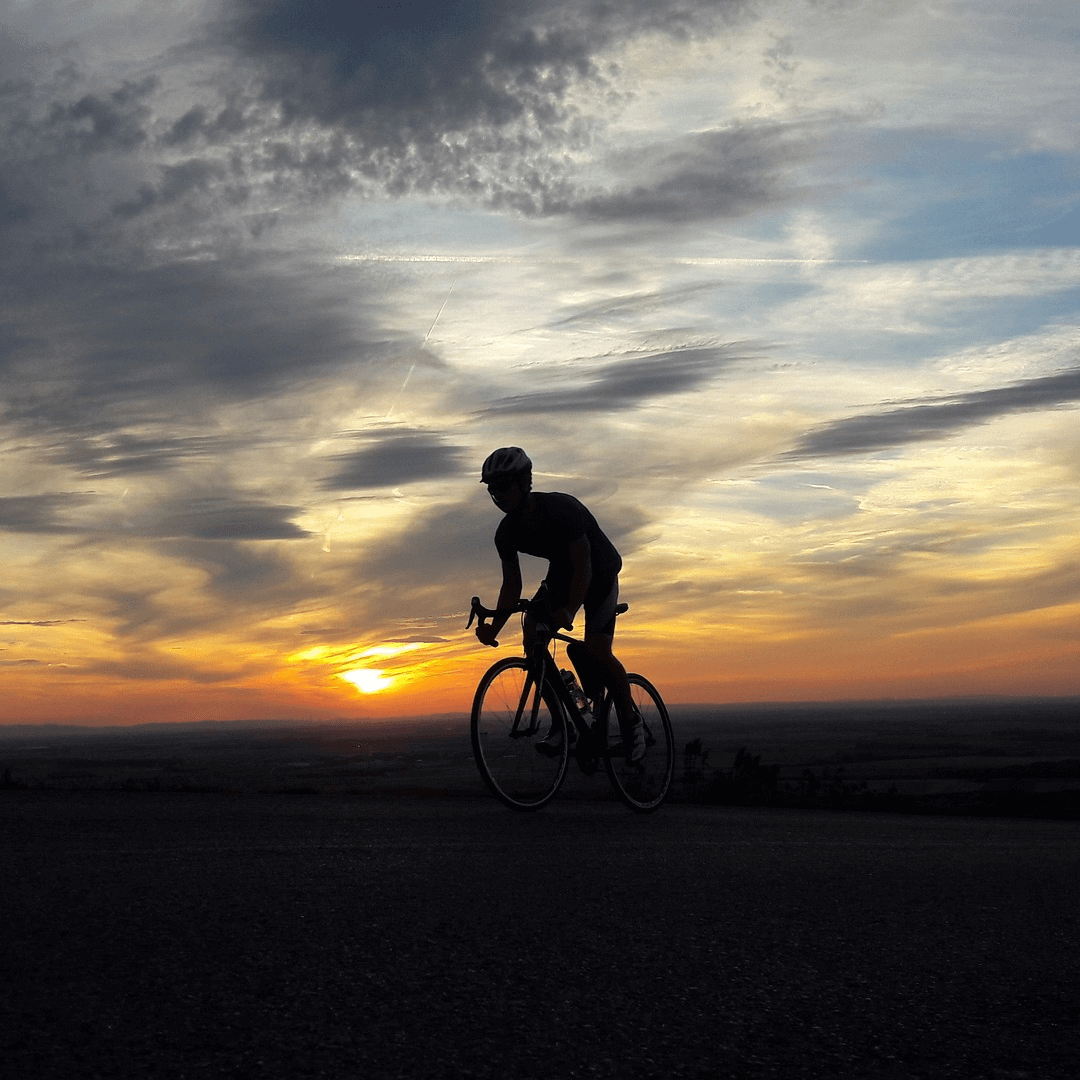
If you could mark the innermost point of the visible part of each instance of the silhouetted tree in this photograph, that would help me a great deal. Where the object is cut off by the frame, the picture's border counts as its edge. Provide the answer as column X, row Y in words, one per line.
column 695, row 758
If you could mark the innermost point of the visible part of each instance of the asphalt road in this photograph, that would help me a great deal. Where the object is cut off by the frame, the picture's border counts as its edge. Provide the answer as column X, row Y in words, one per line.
column 175, row 935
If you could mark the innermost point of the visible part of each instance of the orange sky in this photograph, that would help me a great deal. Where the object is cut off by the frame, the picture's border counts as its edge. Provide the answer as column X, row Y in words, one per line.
column 1013, row 655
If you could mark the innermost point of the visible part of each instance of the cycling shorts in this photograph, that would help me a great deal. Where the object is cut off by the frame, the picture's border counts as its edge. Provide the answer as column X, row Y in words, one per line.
column 600, row 610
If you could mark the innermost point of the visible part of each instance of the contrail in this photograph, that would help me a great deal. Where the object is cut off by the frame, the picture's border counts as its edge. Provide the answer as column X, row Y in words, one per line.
column 436, row 319
column 408, row 374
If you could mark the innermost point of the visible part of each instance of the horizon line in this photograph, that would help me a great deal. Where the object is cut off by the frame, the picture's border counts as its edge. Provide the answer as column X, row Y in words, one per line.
column 280, row 722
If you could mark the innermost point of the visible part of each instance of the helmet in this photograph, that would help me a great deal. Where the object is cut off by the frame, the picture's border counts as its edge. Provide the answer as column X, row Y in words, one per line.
column 508, row 461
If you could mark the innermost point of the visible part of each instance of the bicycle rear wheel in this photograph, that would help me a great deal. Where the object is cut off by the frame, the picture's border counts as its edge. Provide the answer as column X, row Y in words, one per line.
column 509, row 720
column 644, row 785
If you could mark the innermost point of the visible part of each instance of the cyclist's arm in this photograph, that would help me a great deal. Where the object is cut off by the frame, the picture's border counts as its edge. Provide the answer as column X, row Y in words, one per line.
column 509, row 595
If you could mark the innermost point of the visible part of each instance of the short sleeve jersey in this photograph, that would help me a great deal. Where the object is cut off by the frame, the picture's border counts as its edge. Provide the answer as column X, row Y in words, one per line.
column 555, row 523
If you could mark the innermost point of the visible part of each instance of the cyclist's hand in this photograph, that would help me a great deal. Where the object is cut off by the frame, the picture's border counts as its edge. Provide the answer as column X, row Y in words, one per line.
column 485, row 632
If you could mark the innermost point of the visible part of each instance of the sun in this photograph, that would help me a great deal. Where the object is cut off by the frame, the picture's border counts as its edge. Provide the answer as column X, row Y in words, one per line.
column 368, row 680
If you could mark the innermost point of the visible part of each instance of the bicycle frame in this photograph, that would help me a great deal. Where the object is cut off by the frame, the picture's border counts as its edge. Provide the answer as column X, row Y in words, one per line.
column 540, row 662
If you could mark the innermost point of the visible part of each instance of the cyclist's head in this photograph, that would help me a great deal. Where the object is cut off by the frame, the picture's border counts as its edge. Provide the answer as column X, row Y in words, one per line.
column 505, row 466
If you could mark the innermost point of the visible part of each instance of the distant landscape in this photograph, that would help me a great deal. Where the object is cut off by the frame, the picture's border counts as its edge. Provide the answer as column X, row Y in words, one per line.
column 999, row 757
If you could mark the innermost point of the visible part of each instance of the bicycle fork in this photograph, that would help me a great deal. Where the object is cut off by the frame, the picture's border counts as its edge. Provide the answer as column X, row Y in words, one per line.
column 529, row 703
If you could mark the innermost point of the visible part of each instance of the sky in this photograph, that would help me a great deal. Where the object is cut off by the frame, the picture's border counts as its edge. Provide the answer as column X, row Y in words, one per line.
column 785, row 291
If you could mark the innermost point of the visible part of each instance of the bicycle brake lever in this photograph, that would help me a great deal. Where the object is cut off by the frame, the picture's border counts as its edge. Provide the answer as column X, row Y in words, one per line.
column 472, row 613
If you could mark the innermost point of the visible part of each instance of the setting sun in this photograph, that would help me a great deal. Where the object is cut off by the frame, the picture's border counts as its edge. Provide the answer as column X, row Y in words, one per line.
column 368, row 680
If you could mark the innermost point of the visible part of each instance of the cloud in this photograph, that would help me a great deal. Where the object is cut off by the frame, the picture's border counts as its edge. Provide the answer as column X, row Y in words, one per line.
column 38, row 622
column 245, row 572
column 177, row 182
column 120, row 454
column 921, row 423
column 392, row 460
column 430, row 65
column 221, row 518
column 230, row 120
column 630, row 305
column 117, row 121
column 163, row 336
column 419, row 69
column 626, row 383
column 490, row 100
column 715, row 174
column 480, row 98
column 39, row 513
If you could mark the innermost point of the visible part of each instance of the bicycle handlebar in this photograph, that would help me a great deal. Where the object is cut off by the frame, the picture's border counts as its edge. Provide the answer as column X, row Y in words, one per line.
column 478, row 611
column 538, row 607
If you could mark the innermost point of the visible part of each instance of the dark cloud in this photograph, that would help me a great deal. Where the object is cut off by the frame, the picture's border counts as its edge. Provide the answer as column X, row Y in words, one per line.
column 223, row 518
column 715, row 174
column 392, row 460
column 117, row 121
column 430, row 66
column 442, row 65
column 444, row 95
column 156, row 341
column 120, row 454
column 634, row 304
column 39, row 622
column 241, row 571
column 39, row 513
column 227, row 121
column 626, row 383
column 921, row 423
column 425, row 96
column 176, row 182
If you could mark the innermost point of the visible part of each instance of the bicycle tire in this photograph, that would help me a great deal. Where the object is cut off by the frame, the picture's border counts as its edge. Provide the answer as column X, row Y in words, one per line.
column 642, row 786
column 505, row 746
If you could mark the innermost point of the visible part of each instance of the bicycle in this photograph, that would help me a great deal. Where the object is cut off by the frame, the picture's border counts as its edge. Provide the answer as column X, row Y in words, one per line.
column 529, row 718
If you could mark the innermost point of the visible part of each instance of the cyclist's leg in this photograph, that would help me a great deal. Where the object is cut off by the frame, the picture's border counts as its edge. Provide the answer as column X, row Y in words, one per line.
column 598, row 638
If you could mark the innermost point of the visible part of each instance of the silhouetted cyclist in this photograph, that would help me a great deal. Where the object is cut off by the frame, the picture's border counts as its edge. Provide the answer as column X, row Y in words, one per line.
column 583, row 569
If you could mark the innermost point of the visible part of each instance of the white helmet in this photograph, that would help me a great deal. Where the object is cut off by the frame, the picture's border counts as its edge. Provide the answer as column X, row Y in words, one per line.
column 506, row 461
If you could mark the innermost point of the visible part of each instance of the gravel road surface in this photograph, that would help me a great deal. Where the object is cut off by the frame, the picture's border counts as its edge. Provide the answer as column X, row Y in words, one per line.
column 173, row 935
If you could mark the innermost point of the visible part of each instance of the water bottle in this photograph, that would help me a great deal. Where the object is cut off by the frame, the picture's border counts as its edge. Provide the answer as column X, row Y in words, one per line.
column 576, row 695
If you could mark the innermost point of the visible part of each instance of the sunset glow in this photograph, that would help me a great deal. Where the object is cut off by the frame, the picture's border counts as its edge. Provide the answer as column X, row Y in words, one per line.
column 788, row 296
column 368, row 680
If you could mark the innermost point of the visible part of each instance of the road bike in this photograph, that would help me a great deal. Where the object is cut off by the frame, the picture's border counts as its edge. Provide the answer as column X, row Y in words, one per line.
column 529, row 718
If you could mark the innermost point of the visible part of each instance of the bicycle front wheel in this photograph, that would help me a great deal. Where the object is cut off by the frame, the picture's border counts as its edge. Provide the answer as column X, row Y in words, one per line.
column 519, row 738
column 642, row 785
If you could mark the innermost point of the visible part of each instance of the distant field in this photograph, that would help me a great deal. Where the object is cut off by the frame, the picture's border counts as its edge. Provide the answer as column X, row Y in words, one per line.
column 1010, row 757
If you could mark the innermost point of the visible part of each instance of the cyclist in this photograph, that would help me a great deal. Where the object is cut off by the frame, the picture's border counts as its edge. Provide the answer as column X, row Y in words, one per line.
column 583, row 569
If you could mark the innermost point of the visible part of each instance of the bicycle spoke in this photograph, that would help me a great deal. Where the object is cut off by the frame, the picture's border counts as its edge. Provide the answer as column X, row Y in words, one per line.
column 518, row 736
